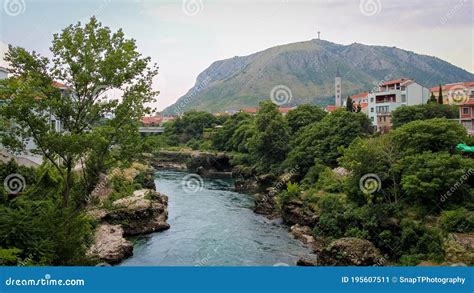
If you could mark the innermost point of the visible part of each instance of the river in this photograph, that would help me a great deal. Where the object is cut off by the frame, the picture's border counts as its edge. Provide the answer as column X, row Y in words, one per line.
column 214, row 226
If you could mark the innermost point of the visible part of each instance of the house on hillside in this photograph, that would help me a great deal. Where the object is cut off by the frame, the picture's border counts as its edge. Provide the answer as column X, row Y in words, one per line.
column 252, row 111
column 455, row 93
column 285, row 110
column 466, row 115
column 392, row 95
column 152, row 120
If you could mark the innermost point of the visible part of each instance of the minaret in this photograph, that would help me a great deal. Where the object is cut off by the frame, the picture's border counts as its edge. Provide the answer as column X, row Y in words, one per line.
column 338, row 89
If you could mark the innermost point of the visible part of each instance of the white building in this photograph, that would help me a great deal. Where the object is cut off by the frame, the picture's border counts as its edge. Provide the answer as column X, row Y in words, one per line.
column 338, row 89
column 392, row 95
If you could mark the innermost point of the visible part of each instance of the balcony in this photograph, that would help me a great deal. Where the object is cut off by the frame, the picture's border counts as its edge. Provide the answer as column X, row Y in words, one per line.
column 385, row 99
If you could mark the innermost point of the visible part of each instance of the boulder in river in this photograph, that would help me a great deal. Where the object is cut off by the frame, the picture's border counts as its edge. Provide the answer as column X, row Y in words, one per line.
column 308, row 261
column 295, row 213
column 350, row 251
column 143, row 212
column 302, row 233
column 264, row 204
column 109, row 244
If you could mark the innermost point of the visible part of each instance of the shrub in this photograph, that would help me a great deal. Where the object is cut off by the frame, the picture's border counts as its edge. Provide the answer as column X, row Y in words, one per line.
column 331, row 181
column 460, row 220
column 292, row 192
column 332, row 219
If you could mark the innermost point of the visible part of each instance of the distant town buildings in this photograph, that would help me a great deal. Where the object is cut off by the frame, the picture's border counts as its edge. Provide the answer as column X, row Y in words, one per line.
column 361, row 100
column 254, row 111
column 392, row 95
column 454, row 93
column 466, row 115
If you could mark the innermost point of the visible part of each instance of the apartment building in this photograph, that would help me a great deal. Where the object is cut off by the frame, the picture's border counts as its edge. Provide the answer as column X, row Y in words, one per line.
column 392, row 95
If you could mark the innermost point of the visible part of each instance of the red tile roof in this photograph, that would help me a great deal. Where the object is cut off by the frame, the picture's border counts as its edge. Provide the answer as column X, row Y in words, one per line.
column 395, row 81
column 449, row 86
column 470, row 102
column 249, row 110
column 152, row 120
column 360, row 96
column 284, row 109
column 331, row 108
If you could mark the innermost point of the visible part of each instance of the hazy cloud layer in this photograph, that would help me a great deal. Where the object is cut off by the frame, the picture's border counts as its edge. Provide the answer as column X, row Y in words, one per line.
column 184, row 37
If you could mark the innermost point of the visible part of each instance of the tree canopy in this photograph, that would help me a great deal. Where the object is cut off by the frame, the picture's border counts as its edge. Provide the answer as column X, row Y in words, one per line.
column 90, row 60
column 304, row 115
column 404, row 115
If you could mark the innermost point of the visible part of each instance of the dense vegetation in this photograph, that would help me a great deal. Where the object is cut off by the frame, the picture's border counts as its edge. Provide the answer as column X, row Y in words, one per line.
column 426, row 188
column 46, row 223
column 425, row 191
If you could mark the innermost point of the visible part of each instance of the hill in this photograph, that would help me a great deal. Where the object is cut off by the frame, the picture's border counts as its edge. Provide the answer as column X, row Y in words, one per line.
column 308, row 70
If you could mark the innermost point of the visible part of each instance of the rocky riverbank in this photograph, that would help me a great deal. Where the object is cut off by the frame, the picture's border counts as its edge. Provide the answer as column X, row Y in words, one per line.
column 121, row 212
column 202, row 163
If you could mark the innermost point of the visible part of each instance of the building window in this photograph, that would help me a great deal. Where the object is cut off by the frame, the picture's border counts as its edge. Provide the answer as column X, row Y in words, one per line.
column 372, row 118
column 371, row 100
column 465, row 110
column 372, row 110
column 404, row 98
column 403, row 88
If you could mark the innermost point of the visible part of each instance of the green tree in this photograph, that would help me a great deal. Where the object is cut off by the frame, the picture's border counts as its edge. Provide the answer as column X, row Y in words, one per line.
column 432, row 98
column 304, row 115
column 323, row 140
column 191, row 125
column 90, row 60
column 221, row 138
column 404, row 115
column 349, row 104
column 436, row 179
column 435, row 135
column 269, row 145
column 376, row 155
column 242, row 136
column 440, row 95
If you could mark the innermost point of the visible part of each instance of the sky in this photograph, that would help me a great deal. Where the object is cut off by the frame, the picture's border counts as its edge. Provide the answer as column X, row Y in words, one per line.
column 185, row 37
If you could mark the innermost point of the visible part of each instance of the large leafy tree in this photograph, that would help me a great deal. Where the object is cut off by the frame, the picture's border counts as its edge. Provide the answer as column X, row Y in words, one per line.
column 376, row 155
column 191, row 125
column 90, row 60
column 269, row 145
column 222, row 137
column 437, row 179
column 322, row 140
column 404, row 115
column 433, row 135
column 303, row 115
